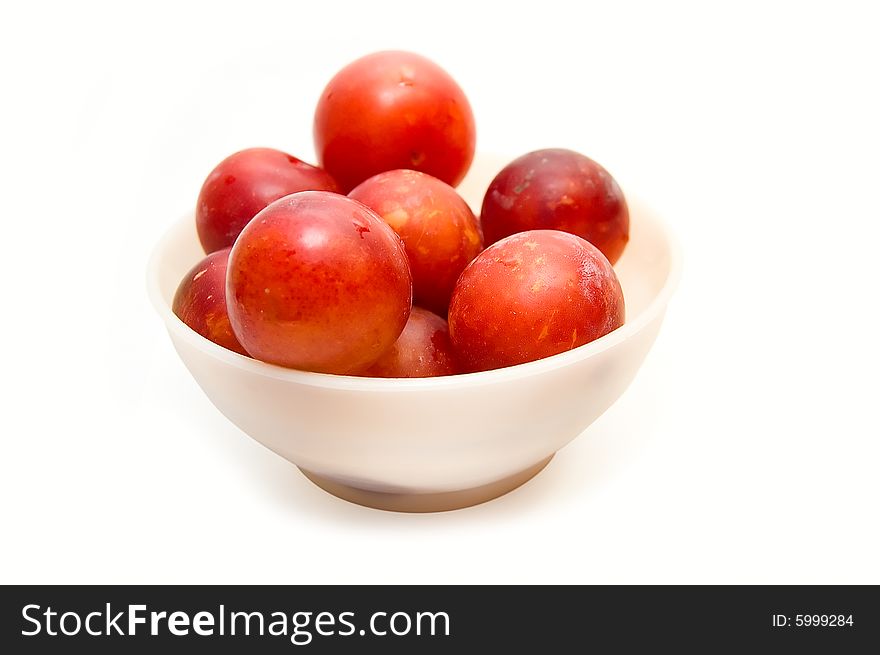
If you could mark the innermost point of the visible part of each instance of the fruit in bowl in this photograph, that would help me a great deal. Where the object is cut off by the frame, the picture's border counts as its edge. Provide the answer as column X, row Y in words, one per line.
column 380, row 401
column 200, row 301
column 246, row 182
column 317, row 281
column 423, row 350
column 438, row 228
column 557, row 189
column 530, row 296
column 391, row 110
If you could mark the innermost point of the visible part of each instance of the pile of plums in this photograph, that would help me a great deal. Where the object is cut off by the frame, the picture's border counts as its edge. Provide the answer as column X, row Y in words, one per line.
column 355, row 267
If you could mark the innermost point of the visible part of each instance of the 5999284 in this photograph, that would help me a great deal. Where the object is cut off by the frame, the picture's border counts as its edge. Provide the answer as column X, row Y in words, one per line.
column 812, row 621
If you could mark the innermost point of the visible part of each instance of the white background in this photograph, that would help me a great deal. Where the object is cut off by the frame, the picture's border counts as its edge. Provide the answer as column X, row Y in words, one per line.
column 747, row 450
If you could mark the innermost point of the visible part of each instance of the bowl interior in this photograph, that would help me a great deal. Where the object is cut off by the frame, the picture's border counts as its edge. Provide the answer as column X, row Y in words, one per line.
column 647, row 265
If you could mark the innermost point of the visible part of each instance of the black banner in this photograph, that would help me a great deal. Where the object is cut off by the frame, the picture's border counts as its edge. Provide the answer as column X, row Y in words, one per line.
column 542, row 619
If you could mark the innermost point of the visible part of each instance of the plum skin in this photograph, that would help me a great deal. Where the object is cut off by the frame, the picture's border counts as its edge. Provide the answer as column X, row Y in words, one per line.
column 200, row 301
column 532, row 295
column 438, row 228
column 391, row 110
column 316, row 281
column 246, row 182
column 423, row 350
column 557, row 189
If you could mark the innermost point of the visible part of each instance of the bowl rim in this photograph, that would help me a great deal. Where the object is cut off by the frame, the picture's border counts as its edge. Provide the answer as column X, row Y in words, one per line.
column 356, row 383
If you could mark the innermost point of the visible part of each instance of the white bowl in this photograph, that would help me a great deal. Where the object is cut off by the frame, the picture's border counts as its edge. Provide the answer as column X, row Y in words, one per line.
column 428, row 444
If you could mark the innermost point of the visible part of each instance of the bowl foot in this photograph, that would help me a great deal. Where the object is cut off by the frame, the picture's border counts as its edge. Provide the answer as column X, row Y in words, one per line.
column 426, row 502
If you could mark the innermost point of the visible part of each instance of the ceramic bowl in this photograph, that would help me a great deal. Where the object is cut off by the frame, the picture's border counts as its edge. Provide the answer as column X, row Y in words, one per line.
column 428, row 444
